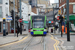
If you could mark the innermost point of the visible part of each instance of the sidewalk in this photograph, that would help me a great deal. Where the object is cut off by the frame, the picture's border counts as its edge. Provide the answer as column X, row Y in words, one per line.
column 11, row 38
column 68, row 45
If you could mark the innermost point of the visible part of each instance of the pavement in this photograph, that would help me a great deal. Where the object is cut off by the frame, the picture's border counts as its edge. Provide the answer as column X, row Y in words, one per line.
column 11, row 38
column 66, row 45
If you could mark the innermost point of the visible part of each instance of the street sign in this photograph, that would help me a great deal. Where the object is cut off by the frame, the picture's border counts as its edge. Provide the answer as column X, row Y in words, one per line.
column 57, row 17
column 9, row 18
column 26, row 21
column 20, row 20
column 50, row 22
column 59, row 11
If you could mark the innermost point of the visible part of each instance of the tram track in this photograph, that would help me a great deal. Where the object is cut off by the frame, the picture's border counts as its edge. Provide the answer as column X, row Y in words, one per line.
column 42, row 41
column 27, row 44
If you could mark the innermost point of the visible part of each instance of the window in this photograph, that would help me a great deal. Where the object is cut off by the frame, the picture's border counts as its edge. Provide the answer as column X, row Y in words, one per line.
column 0, row 27
column 73, row 8
column 6, row 11
column 0, row 1
column 0, row 11
column 60, row 1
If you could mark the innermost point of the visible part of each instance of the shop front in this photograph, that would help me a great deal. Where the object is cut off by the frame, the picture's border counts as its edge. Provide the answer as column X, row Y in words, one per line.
column 25, row 25
column 72, row 22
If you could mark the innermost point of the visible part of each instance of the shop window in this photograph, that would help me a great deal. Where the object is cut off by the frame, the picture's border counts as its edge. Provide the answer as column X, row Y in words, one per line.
column 0, row 27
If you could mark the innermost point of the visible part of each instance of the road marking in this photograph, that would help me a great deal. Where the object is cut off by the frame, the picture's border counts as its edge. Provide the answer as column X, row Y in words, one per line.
column 14, row 42
column 55, row 45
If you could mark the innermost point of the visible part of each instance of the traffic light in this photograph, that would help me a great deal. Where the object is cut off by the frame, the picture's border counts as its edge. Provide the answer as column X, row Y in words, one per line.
column 12, row 14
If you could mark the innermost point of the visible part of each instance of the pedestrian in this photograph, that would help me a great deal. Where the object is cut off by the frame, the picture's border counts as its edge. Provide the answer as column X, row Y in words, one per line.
column 56, row 25
column 18, row 30
column 62, row 28
column 66, row 29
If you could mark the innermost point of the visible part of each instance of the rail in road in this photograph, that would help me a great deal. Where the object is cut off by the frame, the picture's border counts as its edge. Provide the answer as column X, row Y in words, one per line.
column 35, row 41
column 41, row 42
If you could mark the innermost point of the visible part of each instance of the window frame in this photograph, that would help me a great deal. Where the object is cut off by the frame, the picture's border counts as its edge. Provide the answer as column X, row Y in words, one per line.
column 73, row 8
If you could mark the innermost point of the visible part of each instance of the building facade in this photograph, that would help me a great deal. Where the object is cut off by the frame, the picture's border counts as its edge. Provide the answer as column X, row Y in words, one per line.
column 4, row 12
column 62, row 6
column 41, row 4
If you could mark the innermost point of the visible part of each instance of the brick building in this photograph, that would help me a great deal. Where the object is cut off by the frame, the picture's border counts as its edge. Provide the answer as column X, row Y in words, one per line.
column 62, row 6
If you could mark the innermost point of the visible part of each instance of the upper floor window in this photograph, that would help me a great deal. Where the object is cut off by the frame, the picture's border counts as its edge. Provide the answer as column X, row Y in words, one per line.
column 0, row 11
column 74, row 8
column 60, row 1
column 0, row 1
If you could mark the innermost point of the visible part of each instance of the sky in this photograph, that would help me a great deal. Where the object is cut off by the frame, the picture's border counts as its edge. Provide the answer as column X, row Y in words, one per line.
column 53, row 1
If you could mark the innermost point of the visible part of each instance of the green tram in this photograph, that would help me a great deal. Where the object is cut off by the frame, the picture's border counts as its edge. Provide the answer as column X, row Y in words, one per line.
column 38, row 25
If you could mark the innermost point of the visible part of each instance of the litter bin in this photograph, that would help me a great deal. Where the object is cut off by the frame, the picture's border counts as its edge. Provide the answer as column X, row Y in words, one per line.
column 51, row 30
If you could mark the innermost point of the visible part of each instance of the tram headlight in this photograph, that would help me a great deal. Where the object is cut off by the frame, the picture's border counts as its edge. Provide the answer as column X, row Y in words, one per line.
column 45, row 29
column 31, row 29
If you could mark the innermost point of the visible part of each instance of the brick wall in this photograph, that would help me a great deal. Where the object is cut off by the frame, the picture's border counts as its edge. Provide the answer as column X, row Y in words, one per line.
column 70, row 5
column 70, row 9
column 34, row 10
column 64, row 1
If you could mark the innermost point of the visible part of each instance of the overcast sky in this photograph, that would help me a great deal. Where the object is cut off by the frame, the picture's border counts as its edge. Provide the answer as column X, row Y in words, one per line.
column 54, row 1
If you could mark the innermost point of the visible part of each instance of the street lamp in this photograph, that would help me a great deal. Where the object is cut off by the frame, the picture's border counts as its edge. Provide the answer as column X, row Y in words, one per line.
column 68, row 33
column 20, row 18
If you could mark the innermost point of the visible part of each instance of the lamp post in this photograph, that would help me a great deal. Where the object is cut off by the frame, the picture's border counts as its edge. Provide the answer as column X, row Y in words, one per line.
column 20, row 18
column 68, row 33
column 14, row 17
column 54, row 19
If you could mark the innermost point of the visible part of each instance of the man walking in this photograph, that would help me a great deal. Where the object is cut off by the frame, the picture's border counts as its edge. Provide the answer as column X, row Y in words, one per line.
column 18, row 30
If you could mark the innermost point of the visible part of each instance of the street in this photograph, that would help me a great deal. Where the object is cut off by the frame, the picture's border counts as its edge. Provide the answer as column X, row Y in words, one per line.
column 33, row 43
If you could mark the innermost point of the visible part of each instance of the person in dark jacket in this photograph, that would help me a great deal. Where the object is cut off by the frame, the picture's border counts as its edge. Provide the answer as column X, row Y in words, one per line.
column 18, row 30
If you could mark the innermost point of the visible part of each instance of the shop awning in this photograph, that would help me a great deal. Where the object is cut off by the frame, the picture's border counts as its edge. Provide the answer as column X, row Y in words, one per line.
column 71, row 17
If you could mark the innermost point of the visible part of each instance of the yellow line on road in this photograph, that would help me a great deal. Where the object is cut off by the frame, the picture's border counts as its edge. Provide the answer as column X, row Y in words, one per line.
column 14, row 42
column 55, row 45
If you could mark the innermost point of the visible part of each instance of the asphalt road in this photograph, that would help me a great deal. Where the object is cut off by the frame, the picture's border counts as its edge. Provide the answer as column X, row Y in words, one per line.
column 33, row 43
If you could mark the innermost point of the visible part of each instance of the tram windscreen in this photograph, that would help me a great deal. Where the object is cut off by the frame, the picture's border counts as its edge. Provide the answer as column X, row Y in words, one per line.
column 38, row 22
